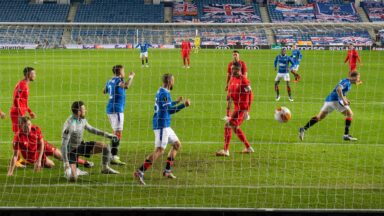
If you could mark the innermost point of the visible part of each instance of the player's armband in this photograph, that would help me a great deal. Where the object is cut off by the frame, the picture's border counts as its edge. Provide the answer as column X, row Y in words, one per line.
column 248, row 89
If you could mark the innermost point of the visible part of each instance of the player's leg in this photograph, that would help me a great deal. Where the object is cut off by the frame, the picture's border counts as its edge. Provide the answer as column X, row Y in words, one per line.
column 294, row 70
column 161, row 140
column 227, row 139
column 348, row 121
column 325, row 110
column 188, row 61
column 176, row 145
column 117, row 122
column 96, row 148
column 236, row 120
column 289, row 90
column 142, row 59
column 48, row 163
column 146, row 59
column 277, row 89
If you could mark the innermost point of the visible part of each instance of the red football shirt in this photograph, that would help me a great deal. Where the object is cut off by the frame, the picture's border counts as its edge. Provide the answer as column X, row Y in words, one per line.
column 20, row 98
column 243, row 68
column 185, row 46
column 28, row 143
column 352, row 57
column 238, row 92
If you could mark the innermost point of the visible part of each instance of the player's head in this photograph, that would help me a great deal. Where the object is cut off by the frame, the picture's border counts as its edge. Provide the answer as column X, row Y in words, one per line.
column 235, row 69
column 168, row 81
column 29, row 73
column 283, row 51
column 294, row 46
column 354, row 77
column 25, row 124
column 350, row 46
column 78, row 109
column 118, row 70
column 236, row 55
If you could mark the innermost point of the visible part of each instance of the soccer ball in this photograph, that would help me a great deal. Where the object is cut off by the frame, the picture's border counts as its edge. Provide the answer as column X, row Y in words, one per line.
column 282, row 114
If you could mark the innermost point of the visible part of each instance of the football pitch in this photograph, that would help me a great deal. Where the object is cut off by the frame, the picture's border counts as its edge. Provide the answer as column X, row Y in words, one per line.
column 323, row 171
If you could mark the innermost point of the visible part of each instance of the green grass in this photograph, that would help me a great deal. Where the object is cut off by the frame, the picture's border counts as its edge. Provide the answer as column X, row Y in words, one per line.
column 321, row 172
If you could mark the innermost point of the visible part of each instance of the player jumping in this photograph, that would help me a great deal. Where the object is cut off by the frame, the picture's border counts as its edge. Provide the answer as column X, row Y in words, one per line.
column 336, row 100
column 164, row 108
column 352, row 58
column 144, row 53
column 73, row 144
column 185, row 51
column 239, row 91
column 283, row 61
column 296, row 57
column 115, row 88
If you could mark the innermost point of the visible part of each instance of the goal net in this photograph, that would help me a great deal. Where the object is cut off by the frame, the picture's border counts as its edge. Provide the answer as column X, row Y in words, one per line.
column 74, row 62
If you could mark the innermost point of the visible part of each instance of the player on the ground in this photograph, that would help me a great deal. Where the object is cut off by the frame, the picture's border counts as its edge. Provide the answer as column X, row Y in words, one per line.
column 144, row 52
column 73, row 144
column 240, row 93
column 30, row 143
column 164, row 108
column 296, row 57
column 115, row 88
column 196, row 44
column 352, row 58
column 20, row 98
column 185, row 51
column 236, row 58
column 336, row 100
column 281, row 65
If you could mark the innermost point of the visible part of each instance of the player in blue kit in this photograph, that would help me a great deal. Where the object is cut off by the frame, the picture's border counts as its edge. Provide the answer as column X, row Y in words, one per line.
column 115, row 88
column 336, row 100
column 282, row 61
column 296, row 57
column 144, row 53
column 164, row 108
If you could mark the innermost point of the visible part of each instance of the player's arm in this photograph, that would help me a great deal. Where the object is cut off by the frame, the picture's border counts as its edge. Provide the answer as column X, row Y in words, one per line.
column 98, row 132
column 339, row 92
column 346, row 59
column 179, row 99
column 137, row 46
column 12, row 164
column 228, row 76
column 248, row 90
column 228, row 108
column 245, row 70
column 275, row 62
column 127, row 83
column 41, row 152
column 300, row 56
column 172, row 109
column 2, row 114
column 358, row 58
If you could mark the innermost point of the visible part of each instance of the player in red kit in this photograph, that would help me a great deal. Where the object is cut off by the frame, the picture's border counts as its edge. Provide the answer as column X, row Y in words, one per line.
column 352, row 58
column 239, row 91
column 236, row 58
column 30, row 143
column 20, row 98
column 185, row 50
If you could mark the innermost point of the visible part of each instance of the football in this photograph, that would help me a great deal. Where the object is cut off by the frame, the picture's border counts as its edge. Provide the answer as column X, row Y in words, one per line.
column 282, row 114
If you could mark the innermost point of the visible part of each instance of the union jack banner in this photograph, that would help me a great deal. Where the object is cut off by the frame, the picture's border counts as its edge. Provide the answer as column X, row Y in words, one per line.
column 184, row 9
column 336, row 13
column 229, row 13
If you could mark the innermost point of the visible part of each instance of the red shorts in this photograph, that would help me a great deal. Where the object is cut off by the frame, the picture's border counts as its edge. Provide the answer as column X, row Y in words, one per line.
column 15, row 120
column 185, row 54
column 31, row 157
column 352, row 67
column 237, row 117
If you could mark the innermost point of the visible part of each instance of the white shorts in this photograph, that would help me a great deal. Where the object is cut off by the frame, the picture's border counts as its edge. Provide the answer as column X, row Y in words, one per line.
column 165, row 136
column 284, row 76
column 117, row 121
column 295, row 67
column 144, row 54
column 329, row 106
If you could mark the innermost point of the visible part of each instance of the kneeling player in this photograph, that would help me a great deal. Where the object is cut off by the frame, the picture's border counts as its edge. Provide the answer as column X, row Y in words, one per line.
column 336, row 100
column 30, row 143
column 73, row 144
column 239, row 91
column 164, row 108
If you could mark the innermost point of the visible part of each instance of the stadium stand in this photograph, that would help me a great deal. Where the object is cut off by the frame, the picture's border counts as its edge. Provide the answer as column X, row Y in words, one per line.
column 374, row 10
column 314, row 12
column 234, row 11
column 227, row 36
column 114, row 35
column 321, row 37
column 184, row 12
column 381, row 35
column 120, row 11
column 22, row 35
column 22, row 11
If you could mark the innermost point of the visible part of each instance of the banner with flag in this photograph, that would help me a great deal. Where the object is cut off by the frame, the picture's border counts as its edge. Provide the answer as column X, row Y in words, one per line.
column 229, row 13
column 184, row 9
column 336, row 12
column 296, row 13
column 297, row 9
column 376, row 14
